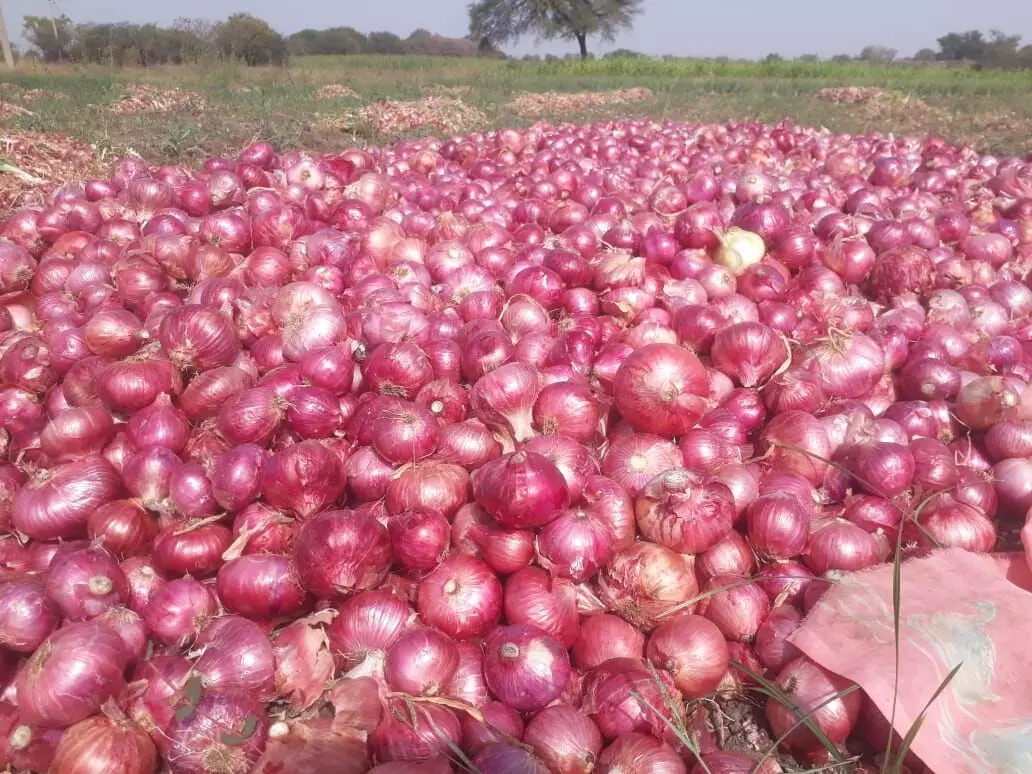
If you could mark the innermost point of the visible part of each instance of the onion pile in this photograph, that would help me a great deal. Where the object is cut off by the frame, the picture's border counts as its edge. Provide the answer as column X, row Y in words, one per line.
column 510, row 444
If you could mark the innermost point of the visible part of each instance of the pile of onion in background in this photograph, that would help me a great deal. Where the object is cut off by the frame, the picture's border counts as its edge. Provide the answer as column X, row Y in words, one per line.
column 498, row 454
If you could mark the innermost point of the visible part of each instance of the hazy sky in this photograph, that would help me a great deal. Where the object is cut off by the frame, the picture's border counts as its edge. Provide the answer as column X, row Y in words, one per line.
column 736, row 28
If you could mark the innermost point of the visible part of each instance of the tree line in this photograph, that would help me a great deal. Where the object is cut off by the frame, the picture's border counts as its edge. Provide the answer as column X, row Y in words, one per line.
column 248, row 39
column 241, row 37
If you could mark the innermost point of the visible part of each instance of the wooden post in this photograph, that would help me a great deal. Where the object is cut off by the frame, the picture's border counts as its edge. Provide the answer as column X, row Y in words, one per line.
column 5, row 42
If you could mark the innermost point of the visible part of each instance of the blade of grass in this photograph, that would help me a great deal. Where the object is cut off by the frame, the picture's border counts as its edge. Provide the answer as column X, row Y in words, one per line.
column 778, row 695
column 897, row 604
column 713, row 592
column 896, row 766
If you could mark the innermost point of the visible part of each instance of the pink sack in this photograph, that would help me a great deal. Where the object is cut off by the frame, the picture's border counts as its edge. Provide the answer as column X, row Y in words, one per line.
column 957, row 607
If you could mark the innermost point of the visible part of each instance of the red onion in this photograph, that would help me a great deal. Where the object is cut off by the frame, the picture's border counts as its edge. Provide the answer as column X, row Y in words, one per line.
column 193, row 547
column 418, row 736
column 534, row 598
column 659, row 389
column 778, row 526
column 796, row 442
column 27, row 615
column 568, row 409
column 731, row 555
column 235, row 655
column 504, row 399
column 85, row 582
column 236, row 476
column 639, row 752
column 603, row 637
column 71, row 675
column 773, row 649
column 428, row 486
column 108, row 742
column 524, row 667
column 338, row 552
column 76, row 433
column 123, row 526
column 421, row 662
column 303, row 479
column 419, row 539
column 179, row 610
column 692, row 649
column 645, row 580
column 462, row 597
column 737, row 609
column 521, row 490
column 632, row 461
column 949, row 524
column 368, row 622
column 812, row 690
column 565, row 739
column 467, row 683
column 57, row 503
column 685, row 511
column 226, row 730
column 836, row 544
column 198, row 338
column 749, row 352
column 623, row 696
column 261, row 586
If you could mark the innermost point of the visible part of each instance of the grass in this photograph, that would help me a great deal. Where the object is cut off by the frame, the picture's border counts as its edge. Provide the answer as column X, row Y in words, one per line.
column 986, row 109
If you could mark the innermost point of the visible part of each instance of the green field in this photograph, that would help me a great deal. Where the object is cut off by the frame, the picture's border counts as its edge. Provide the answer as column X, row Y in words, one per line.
column 990, row 110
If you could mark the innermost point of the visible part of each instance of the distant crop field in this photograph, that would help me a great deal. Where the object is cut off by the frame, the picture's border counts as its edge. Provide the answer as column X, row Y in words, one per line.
column 180, row 114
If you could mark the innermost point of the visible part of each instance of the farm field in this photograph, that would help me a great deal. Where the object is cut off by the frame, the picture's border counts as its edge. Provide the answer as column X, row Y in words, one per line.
column 219, row 108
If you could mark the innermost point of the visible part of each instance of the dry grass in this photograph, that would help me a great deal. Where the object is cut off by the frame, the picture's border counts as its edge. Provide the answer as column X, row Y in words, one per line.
column 8, row 111
column 141, row 98
column 390, row 118
column 50, row 160
column 849, row 95
column 550, row 102
column 336, row 91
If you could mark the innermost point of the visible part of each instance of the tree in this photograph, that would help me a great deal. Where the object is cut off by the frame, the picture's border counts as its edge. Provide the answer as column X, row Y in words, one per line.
column 250, row 39
column 877, row 54
column 51, row 36
column 502, row 20
column 925, row 55
column 961, row 45
column 384, row 43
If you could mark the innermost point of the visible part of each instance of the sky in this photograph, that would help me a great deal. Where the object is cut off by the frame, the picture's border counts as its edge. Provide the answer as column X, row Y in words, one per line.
column 705, row 28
